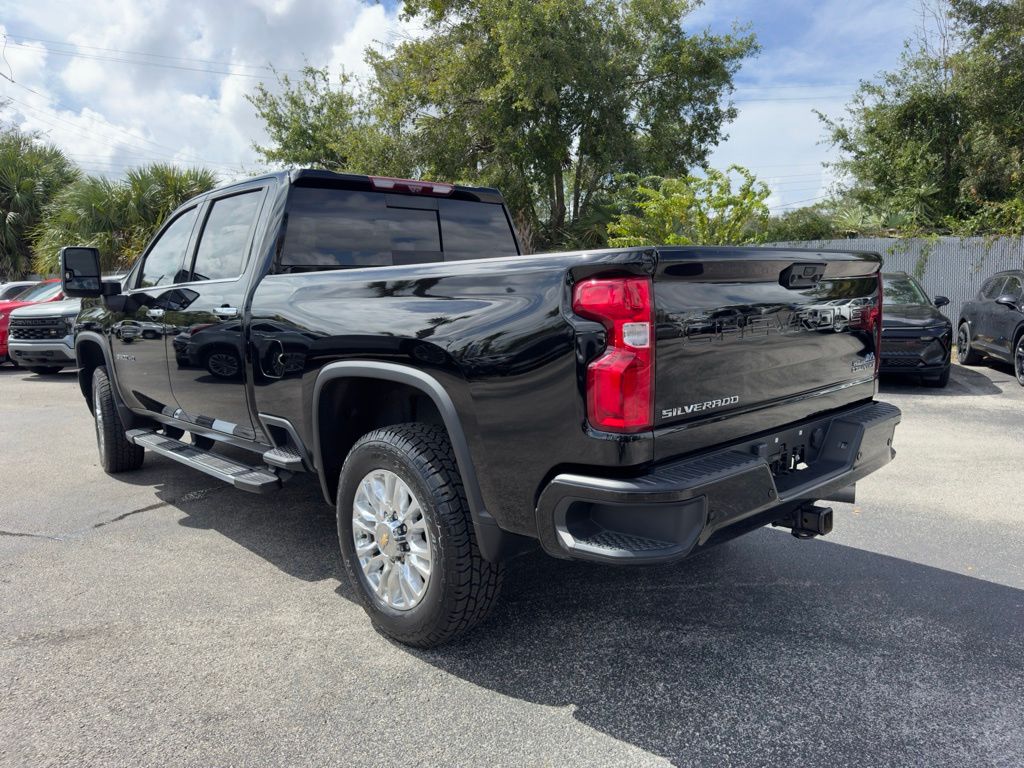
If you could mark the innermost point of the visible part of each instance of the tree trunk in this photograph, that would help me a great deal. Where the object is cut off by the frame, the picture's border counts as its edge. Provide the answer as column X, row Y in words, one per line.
column 576, row 188
column 558, row 210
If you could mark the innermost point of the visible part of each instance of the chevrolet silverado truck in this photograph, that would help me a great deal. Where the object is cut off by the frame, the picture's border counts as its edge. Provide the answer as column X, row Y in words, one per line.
column 41, row 338
column 39, row 293
column 460, row 402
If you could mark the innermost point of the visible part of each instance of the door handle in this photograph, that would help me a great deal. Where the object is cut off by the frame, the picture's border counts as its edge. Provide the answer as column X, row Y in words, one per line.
column 225, row 312
column 155, row 314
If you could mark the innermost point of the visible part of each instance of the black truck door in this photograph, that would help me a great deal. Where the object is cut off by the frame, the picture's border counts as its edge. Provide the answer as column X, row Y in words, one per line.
column 207, row 355
column 137, row 319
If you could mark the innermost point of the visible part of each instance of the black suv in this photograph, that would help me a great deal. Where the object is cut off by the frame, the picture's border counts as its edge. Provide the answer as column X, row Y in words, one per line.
column 993, row 324
column 916, row 338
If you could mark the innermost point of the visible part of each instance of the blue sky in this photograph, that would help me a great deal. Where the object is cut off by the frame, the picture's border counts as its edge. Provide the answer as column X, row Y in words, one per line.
column 114, row 82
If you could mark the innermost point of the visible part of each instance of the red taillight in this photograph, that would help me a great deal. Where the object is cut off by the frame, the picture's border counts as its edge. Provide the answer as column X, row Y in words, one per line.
column 620, row 383
column 388, row 183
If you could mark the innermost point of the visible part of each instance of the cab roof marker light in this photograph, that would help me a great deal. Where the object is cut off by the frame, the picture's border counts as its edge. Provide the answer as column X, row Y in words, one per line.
column 416, row 187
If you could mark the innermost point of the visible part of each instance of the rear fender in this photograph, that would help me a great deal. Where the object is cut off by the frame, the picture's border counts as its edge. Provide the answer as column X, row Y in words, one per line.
column 491, row 539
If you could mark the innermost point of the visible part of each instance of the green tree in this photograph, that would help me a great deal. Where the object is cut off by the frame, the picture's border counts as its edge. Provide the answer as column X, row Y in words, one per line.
column 116, row 216
column 31, row 173
column 694, row 211
column 940, row 141
column 545, row 99
column 313, row 123
column 814, row 222
column 989, row 73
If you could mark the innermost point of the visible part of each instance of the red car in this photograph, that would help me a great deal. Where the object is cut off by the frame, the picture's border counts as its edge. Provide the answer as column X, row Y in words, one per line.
column 47, row 290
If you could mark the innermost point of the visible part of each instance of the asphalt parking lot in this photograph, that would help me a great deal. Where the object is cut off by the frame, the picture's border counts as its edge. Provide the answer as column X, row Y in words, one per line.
column 161, row 618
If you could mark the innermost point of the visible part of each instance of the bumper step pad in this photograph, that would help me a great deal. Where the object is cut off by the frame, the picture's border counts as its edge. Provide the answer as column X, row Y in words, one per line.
column 242, row 476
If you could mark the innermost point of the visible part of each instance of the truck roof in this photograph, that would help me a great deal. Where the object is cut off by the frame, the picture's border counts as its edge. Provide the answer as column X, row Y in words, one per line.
column 320, row 178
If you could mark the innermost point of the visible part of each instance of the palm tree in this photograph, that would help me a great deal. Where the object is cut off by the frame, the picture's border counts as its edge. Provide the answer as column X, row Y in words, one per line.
column 31, row 173
column 118, row 217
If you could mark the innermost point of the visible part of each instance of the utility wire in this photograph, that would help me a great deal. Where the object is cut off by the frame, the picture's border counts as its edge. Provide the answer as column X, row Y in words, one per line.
column 159, row 65
column 267, row 67
column 168, row 152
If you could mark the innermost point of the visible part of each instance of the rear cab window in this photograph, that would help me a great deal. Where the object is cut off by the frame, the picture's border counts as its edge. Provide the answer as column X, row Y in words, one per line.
column 332, row 228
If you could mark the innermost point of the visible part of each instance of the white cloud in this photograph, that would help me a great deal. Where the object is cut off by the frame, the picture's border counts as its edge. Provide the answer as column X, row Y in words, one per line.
column 813, row 55
column 111, row 108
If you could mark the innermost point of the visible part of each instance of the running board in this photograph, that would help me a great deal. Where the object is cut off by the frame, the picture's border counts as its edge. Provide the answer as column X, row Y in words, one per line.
column 242, row 476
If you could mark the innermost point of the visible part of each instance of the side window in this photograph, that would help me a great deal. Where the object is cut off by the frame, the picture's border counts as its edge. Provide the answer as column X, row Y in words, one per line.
column 165, row 257
column 224, row 243
column 1012, row 287
column 992, row 288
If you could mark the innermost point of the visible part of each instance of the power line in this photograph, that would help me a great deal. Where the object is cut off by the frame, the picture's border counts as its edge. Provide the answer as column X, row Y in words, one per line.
column 744, row 86
column 797, row 202
column 159, row 65
column 169, row 152
column 266, row 67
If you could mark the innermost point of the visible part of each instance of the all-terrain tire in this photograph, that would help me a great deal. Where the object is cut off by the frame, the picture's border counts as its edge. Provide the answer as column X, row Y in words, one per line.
column 117, row 452
column 463, row 587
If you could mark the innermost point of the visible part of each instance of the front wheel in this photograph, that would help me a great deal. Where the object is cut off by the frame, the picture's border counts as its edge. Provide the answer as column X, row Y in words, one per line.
column 964, row 352
column 939, row 381
column 117, row 452
column 407, row 537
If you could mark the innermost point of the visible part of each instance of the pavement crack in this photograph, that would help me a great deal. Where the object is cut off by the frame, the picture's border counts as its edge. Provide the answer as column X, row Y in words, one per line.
column 138, row 511
column 30, row 535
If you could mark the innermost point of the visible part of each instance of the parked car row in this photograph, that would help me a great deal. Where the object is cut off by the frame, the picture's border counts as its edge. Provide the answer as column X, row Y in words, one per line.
column 993, row 324
column 37, row 325
column 917, row 339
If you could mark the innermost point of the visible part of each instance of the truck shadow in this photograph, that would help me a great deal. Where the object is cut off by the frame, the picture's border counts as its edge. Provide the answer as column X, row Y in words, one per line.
column 765, row 650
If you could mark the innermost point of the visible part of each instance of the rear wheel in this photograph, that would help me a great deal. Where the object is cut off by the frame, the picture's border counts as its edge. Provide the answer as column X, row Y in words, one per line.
column 1018, row 361
column 964, row 352
column 117, row 452
column 407, row 537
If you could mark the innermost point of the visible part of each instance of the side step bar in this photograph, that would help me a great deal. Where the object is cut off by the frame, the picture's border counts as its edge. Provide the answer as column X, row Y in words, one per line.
column 242, row 476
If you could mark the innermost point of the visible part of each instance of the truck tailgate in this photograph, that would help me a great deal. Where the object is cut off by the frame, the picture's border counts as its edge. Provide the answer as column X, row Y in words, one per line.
column 751, row 339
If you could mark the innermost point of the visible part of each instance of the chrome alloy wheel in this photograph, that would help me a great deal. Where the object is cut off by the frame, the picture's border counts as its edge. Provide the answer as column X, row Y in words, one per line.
column 98, row 411
column 390, row 536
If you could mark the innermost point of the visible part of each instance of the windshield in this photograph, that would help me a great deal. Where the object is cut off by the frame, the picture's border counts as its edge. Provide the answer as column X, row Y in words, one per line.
column 41, row 292
column 903, row 290
column 9, row 292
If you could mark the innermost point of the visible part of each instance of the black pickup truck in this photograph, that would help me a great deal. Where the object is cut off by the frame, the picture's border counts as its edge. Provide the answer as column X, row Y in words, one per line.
column 460, row 402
